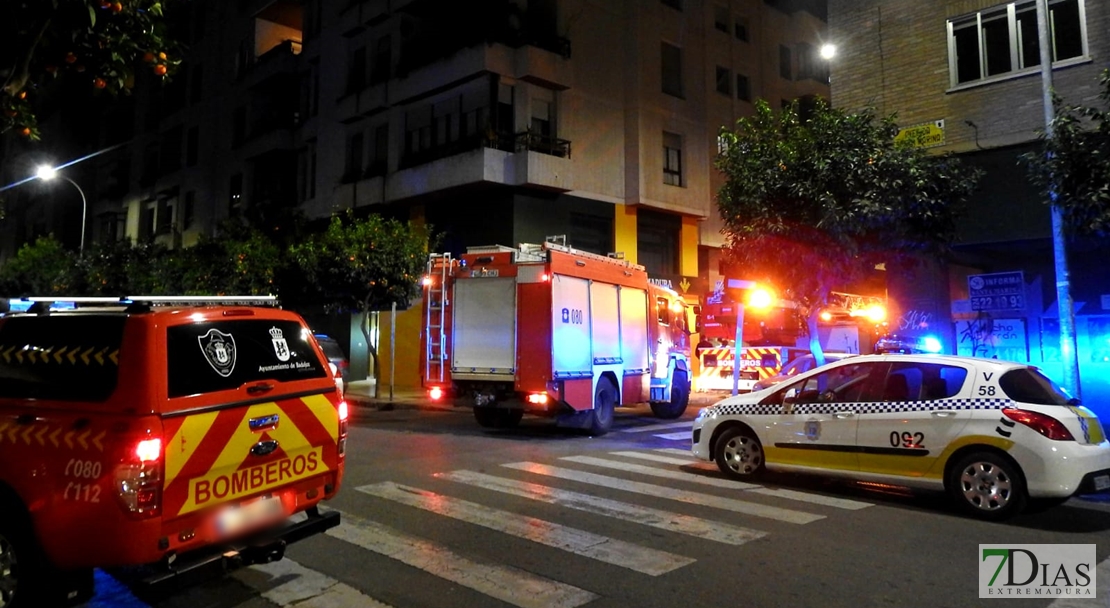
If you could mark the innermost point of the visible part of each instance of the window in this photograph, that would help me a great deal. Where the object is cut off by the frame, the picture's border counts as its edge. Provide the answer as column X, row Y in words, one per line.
column 810, row 64
column 306, row 172
column 785, row 61
column 503, row 120
column 741, row 29
column 192, row 144
column 675, row 4
column 743, row 88
column 356, row 70
column 1003, row 40
column 923, row 381
column 196, row 84
column 663, row 310
column 720, row 18
column 543, row 112
column 354, row 158
column 310, row 91
column 379, row 151
column 238, row 126
column 235, row 195
column 382, row 67
column 657, row 246
column 843, row 384
column 672, row 69
column 724, row 81
column 672, row 159
column 166, row 208
column 169, row 156
column 189, row 210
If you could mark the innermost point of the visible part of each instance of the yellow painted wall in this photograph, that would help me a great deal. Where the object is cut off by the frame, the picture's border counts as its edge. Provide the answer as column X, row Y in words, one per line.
column 624, row 227
column 408, row 352
column 688, row 247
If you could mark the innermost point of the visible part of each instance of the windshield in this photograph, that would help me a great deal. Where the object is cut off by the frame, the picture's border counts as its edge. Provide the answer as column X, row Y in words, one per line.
column 1029, row 385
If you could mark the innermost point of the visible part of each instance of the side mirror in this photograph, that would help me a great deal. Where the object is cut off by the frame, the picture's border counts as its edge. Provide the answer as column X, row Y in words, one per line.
column 791, row 396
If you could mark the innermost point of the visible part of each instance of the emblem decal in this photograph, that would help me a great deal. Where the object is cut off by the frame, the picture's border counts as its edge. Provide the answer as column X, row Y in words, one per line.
column 219, row 350
column 281, row 347
column 813, row 430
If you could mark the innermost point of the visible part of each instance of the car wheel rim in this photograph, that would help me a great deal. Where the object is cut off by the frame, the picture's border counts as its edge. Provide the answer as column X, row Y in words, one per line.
column 8, row 569
column 743, row 455
column 986, row 486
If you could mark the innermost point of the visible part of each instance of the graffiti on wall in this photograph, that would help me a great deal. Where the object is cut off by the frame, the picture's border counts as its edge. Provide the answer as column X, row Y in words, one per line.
column 992, row 338
column 914, row 319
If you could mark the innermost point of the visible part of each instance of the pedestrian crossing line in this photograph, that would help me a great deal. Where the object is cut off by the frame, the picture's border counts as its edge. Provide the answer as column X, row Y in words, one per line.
column 602, row 548
column 659, row 427
column 656, row 518
column 676, row 436
column 693, row 498
column 506, row 583
column 288, row 583
column 678, row 452
column 720, row 482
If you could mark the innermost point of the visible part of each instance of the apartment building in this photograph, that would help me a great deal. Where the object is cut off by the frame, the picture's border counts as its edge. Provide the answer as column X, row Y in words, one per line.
column 491, row 121
column 966, row 74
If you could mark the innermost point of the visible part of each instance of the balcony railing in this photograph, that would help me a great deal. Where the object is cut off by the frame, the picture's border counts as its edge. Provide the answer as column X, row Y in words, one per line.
column 534, row 142
column 507, row 142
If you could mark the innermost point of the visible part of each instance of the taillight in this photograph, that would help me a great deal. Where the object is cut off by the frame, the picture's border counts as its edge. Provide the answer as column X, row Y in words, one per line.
column 435, row 393
column 344, row 412
column 537, row 398
column 1042, row 423
column 139, row 479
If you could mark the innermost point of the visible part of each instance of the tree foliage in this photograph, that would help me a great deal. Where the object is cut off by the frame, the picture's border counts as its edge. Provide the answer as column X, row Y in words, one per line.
column 813, row 205
column 1075, row 164
column 97, row 42
column 43, row 267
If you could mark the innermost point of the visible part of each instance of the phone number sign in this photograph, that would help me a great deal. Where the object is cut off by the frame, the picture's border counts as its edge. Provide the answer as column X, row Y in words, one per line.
column 997, row 291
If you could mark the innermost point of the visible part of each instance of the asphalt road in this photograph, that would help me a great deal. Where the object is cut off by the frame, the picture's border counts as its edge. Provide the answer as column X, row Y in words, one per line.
column 438, row 512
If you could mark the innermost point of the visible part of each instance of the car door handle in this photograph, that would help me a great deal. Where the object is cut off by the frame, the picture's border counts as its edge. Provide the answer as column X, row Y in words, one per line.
column 259, row 389
column 943, row 414
column 844, row 415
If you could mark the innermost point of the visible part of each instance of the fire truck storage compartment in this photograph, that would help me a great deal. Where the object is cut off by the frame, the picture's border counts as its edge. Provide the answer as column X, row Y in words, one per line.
column 484, row 328
column 634, row 325
column 570, row 318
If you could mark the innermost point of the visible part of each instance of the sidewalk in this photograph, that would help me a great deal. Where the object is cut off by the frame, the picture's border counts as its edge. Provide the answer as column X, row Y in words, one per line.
column 361, row 392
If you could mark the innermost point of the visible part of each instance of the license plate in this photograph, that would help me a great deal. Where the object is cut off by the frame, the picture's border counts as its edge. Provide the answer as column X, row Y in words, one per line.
column 1102, row 482
column 236, row 518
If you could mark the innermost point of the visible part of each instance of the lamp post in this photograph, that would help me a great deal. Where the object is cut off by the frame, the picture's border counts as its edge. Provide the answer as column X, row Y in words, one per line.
column 47, row 173
column 758, row 298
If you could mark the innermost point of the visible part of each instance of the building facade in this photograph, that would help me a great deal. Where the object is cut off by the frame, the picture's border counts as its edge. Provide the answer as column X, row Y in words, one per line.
column 965, row 75
column 490, row 121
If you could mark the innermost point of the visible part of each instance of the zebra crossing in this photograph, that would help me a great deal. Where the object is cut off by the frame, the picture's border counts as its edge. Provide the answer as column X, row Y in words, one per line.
column 573, row 484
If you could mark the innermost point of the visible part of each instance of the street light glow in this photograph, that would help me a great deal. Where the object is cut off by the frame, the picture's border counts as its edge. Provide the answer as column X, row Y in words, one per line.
column 760, row 298
column 46, row 172
column 828, row 51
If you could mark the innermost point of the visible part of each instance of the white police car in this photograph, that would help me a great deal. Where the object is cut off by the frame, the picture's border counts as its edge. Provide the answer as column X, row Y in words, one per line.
column 993, row 434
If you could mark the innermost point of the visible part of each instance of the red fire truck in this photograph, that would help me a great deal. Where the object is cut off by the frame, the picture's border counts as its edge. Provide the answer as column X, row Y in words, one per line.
column 550, row 330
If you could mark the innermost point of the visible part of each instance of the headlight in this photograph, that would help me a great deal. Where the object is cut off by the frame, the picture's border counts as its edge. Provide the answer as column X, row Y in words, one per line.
column 708, row 413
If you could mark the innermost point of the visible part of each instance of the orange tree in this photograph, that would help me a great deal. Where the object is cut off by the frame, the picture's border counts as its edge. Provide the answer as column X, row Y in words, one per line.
column 98, row 42
column 813, row 205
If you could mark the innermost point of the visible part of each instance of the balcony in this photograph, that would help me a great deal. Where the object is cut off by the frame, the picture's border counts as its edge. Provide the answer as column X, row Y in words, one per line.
column 278, row 61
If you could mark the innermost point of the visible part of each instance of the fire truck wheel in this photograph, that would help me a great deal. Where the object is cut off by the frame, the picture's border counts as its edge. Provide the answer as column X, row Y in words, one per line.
column 497, row 417
column 680, row 397
column 605, row 401
column 738, row 453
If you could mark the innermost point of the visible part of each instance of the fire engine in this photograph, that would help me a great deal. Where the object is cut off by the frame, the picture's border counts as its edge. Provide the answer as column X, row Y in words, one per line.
column 550, row 330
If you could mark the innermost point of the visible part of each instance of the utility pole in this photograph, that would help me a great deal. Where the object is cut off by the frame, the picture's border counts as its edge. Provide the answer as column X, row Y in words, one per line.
column 1069, row 357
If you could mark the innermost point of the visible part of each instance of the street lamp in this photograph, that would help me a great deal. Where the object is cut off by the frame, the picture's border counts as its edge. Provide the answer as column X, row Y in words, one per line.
column 828, row 51
column 47, row 173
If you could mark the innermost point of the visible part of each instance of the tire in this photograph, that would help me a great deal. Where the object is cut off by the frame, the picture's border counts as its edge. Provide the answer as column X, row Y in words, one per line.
column 26, row 576
column 739, row 454
column 680, row 397
column 605, row 402
column 988, row 486
column 497, row 417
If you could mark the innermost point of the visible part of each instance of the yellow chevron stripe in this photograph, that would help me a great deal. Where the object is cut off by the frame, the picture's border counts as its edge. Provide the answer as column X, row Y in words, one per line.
column 185, row 442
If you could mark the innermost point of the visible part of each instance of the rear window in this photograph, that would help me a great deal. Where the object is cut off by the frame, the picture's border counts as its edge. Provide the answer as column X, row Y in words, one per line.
column 209, row 357
column 331, row 348
column 62, row 357
column 1031, row 386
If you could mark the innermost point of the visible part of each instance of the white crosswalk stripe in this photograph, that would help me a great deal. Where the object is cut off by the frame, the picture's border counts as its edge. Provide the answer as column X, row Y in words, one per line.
column 288, row 583
column 657, row 518
column 678, row 452
column 675, row 436
column 580, row 542
column 651, row 428
column 817, row 499
column 693, row 498
column 506, row 583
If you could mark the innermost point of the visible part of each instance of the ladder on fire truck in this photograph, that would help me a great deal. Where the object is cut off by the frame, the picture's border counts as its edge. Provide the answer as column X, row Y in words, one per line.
column 438, row 271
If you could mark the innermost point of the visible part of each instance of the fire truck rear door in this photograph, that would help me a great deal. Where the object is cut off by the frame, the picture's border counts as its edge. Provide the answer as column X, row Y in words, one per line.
column 484, row 326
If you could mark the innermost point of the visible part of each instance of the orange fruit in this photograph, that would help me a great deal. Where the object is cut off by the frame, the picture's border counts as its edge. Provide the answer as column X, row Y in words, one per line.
column 26, row 132
column 148, row 57
column 162, row 56
column 160, row 70
column 117, row 7
column 70, row 57
column 22, row 95
column 99, row 83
